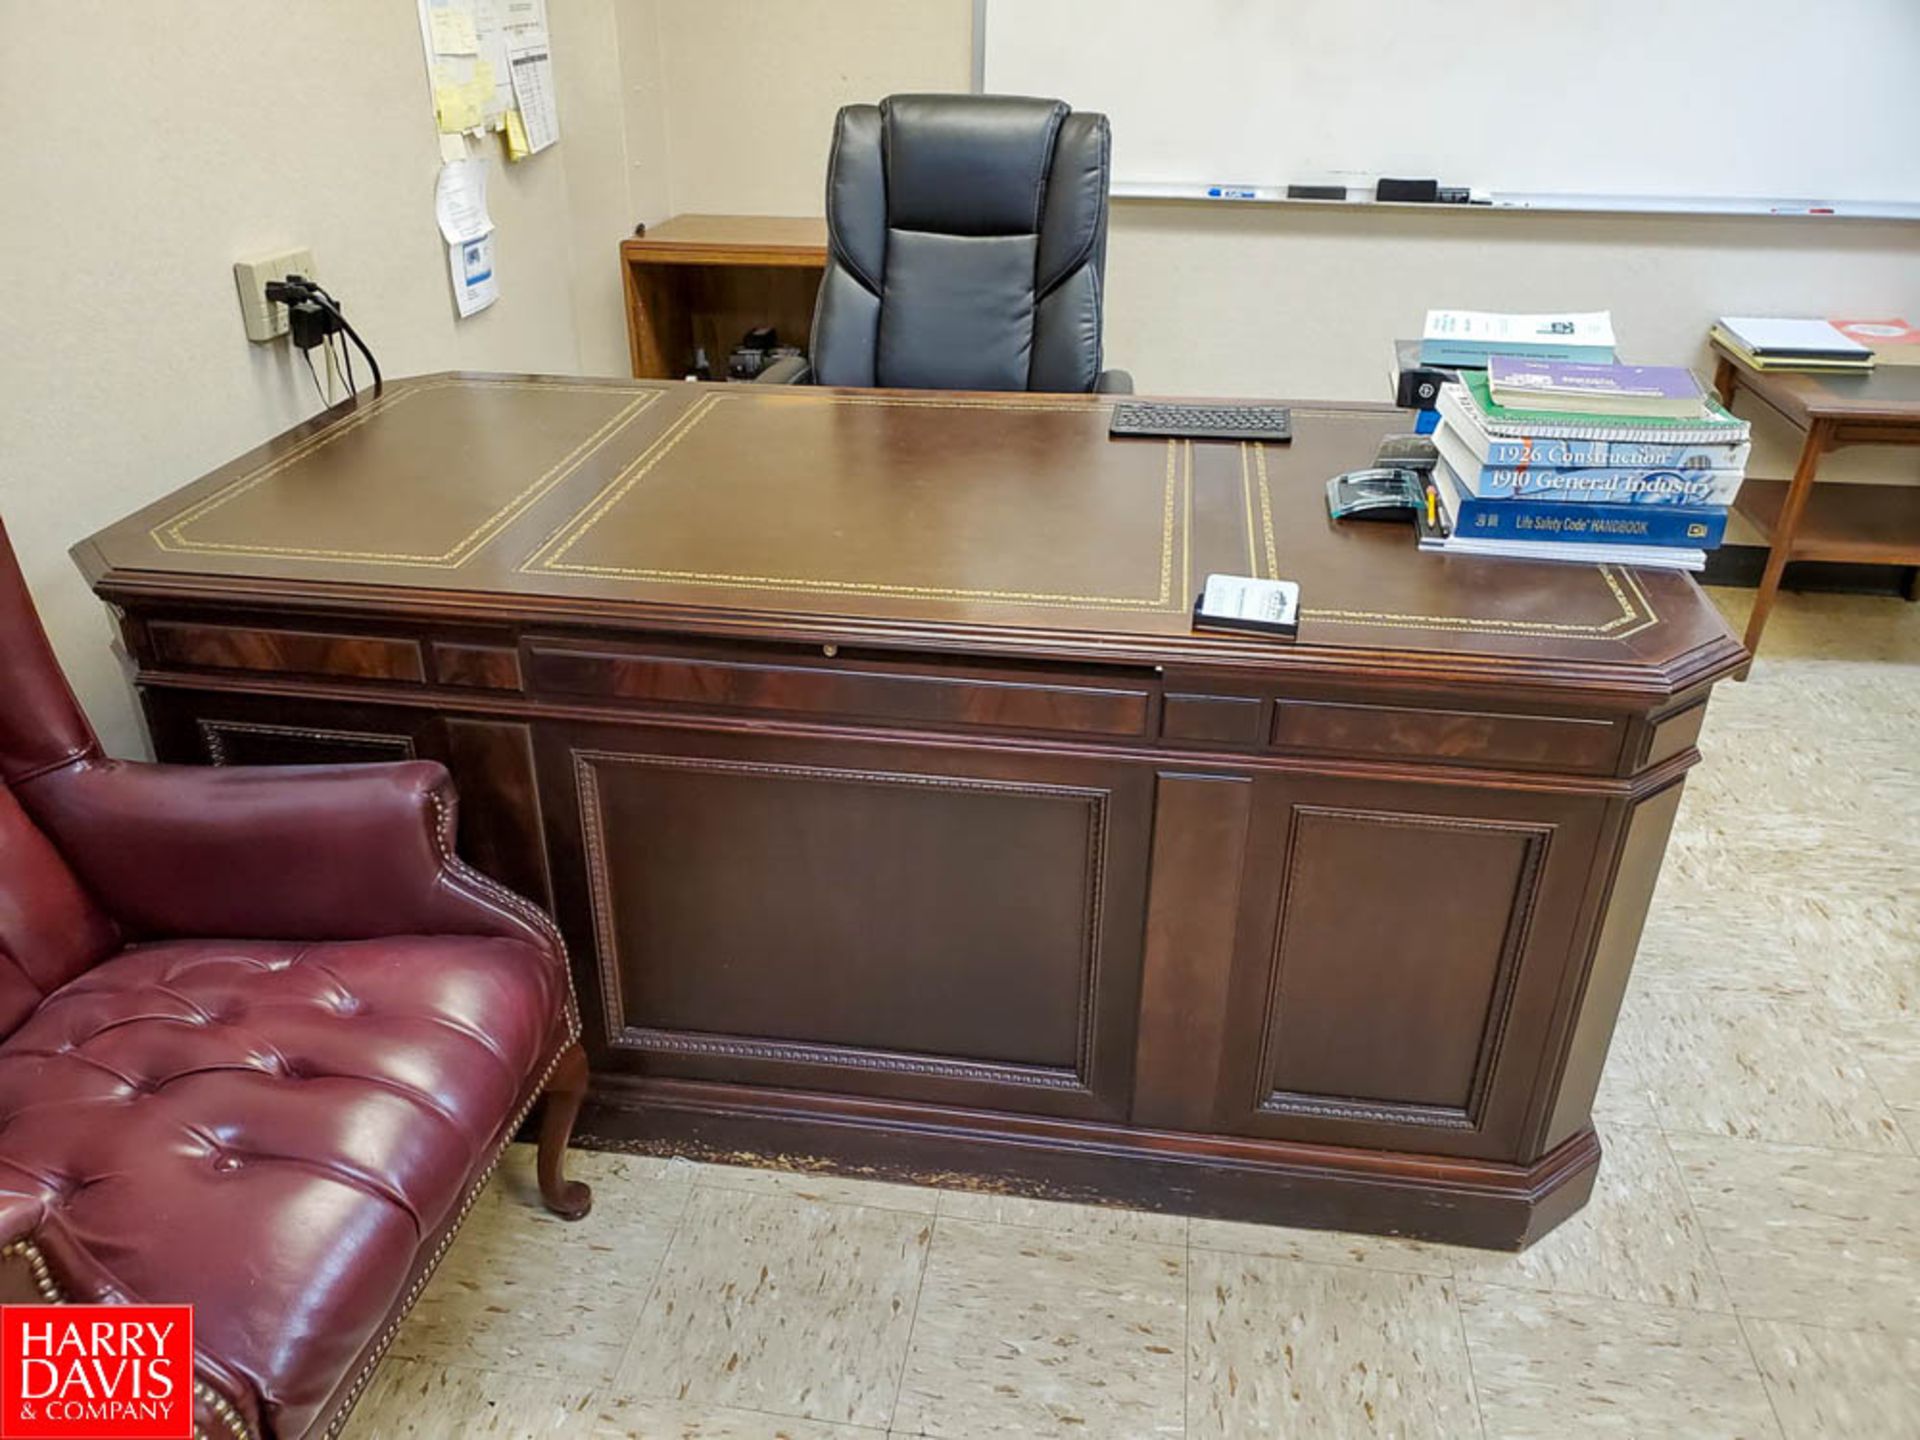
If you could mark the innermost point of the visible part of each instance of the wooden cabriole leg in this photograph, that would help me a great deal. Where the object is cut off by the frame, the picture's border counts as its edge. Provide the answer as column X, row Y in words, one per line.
column 569, row 1199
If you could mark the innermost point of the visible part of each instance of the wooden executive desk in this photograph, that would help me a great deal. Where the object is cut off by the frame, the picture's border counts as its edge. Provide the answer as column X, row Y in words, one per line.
column 896, row 816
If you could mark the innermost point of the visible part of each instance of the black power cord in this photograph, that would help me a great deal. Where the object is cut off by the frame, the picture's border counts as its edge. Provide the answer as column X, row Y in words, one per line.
column 312, row 316
column 346, row 367
column 314, row 375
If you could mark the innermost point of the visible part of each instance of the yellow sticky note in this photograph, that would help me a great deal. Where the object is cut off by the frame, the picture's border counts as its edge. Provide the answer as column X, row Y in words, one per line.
column 452, row 32
column 517, row 146
column 456, row 106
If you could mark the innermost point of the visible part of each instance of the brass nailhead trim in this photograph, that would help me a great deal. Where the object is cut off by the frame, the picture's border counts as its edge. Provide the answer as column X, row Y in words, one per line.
column 37, row 1263
column 222, row 1407
column 516, row 906
column 525, row 910
column 49, row 1287
column 379, row 1351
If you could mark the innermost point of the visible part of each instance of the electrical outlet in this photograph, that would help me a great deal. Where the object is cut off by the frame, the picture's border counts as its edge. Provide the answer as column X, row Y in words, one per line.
column 266, row 320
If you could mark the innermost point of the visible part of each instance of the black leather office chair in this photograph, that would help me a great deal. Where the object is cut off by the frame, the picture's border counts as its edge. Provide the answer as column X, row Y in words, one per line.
column 967, row 240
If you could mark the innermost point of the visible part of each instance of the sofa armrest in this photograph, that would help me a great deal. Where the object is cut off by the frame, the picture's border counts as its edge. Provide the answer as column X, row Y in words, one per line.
column 1113, row 382
column 321, row 852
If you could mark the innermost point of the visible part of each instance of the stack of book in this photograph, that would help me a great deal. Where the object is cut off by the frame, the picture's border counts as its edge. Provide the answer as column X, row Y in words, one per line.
column 1453, row 340
column 1597, row 463
column 1472, row 337
column 1791, row 344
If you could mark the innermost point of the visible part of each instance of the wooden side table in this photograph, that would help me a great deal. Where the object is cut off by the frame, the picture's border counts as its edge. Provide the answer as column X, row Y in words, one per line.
column 705, row 280
column 1855, row 524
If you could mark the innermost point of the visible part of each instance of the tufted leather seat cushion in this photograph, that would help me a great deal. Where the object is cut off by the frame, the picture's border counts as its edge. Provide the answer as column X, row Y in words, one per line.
column 221, row 1122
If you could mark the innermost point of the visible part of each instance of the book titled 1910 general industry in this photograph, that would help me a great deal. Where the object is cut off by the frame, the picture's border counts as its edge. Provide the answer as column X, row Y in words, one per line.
column 1533, row 478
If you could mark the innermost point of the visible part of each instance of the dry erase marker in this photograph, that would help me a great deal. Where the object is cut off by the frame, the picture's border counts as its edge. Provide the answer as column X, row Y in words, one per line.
column 1232, row 192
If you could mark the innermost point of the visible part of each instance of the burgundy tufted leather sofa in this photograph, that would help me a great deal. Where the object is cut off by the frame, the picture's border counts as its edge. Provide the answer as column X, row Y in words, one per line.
column 265, row 1038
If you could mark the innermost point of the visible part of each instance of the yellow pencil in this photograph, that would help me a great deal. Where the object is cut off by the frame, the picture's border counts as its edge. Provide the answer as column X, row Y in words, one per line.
column 1433, row 510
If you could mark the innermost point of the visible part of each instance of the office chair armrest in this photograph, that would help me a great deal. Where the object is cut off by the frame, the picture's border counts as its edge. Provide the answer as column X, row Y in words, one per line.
column 1114, row 382
column 789, row 370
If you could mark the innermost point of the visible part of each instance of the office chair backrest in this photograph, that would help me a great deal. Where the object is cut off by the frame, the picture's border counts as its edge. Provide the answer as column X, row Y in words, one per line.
column 967, row 239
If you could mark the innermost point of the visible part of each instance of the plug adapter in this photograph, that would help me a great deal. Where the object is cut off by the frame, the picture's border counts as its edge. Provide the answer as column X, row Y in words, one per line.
column 308, row 324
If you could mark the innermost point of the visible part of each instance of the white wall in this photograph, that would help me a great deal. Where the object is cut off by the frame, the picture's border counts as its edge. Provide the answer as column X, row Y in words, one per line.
column 148, row 146
column 751, row 88
column 1245, row 300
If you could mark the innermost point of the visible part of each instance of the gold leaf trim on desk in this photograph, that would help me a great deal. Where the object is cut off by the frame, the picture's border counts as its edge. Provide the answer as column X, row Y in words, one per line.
column 1636, row 610
column 171, row 535
column 1176, row 515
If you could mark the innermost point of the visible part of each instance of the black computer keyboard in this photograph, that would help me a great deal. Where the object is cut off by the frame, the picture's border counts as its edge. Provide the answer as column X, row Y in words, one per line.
column 1203, row 422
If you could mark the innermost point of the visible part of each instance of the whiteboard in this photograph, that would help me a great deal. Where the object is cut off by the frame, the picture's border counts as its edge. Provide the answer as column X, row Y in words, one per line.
column 1656, row 103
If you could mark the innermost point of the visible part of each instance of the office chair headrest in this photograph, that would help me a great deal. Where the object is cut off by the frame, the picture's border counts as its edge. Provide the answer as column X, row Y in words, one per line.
column 968, row 164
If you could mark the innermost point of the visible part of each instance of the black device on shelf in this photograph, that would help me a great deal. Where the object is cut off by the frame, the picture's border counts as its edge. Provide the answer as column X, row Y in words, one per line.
column 1202, row 422
column 759, row 348
column 753, row 352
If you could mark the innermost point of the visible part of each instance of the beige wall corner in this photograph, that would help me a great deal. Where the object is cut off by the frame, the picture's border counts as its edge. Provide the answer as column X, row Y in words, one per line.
column 751, row 88
column 588, row 62
column 149, row 146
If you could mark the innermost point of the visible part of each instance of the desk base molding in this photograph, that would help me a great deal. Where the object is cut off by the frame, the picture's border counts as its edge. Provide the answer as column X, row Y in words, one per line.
column 1485, row 1204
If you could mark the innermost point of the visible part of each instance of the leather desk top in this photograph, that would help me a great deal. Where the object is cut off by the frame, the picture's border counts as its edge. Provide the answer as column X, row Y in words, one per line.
column 998, row 523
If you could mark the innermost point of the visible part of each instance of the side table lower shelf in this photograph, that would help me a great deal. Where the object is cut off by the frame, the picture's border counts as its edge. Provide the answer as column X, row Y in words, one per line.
column 1856, row 524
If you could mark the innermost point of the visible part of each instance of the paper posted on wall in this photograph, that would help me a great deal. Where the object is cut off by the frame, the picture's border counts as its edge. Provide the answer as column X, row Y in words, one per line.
column 460, row 206
column 467, row 62
column 475, row 286
column 460, row 200
column 532, row 70
column 491, row 67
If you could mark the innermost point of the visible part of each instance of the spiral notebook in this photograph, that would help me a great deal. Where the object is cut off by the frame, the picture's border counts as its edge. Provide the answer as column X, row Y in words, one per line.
column 1719, row 428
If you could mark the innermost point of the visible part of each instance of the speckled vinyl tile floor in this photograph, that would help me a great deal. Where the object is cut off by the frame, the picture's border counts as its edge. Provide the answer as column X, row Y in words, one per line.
column 1749, row 1264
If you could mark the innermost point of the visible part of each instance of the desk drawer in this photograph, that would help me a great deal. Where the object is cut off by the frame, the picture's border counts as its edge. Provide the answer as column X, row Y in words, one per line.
column 299, row 652
column 958, row 699
column 1466, row 737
